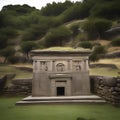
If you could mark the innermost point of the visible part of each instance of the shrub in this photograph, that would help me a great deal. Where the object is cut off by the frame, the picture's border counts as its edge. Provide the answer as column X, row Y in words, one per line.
column 115, row 42
column 86, row 44
column 94, row 57
column 99, row 50
column 97, row 53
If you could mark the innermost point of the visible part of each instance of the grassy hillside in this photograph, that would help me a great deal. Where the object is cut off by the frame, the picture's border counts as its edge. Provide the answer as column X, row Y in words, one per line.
column 20, row 24
column 86, row 24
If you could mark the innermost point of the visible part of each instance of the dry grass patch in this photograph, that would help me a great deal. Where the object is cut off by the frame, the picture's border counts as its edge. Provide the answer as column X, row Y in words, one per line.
column 106, row 71
column 8, row 69
column 103, row 42
column 115, row 61
column 113, row 49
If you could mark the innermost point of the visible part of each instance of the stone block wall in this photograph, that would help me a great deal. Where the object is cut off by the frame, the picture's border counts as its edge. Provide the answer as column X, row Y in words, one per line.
column 19, row 87
column 2, row 83
column 106, row 87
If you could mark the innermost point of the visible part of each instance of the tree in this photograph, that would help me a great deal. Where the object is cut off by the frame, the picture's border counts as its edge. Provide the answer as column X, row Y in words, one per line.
column 7, row 52
column 78, row 11
column 75, row 29
column 27, row 47
column 55, row 9
column 57, row 36
column 3, row 41
column 107, row 9
column 96, row 27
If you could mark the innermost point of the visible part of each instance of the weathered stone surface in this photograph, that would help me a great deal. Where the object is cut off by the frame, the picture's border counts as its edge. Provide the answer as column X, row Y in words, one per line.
column 10, row 75
column 110, row 81
column 118, row 80
column 60, row 73
column 19, row 87
column 108, row 88
column 2, row 83
column 22, row 81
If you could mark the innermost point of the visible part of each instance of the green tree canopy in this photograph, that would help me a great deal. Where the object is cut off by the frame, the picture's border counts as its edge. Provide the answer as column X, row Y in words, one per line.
column 55, row 9
column 7, row 52
column 97, row 26
column 26, row 47
column 56, row 36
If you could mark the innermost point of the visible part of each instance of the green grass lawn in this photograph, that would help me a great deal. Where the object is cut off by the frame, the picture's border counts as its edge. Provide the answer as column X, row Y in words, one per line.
column 8, row 111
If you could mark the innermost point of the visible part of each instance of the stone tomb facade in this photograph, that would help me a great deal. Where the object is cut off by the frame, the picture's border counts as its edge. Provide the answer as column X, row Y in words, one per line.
column 60, row 73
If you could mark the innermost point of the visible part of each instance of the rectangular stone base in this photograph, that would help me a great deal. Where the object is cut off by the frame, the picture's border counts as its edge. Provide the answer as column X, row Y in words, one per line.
column 61, row 100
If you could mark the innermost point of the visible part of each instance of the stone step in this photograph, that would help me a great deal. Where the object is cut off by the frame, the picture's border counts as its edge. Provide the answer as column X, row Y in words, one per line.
column 90, row 97
column 61, row 100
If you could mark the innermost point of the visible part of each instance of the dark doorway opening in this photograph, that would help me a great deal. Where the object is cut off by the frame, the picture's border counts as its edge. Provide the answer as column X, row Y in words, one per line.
column 60, row 91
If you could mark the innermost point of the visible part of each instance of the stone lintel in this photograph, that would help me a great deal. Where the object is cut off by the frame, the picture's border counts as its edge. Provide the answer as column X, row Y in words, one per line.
column 59, row 76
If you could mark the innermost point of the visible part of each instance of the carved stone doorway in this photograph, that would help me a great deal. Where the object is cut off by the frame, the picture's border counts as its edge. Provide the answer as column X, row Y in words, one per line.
column 61, row 86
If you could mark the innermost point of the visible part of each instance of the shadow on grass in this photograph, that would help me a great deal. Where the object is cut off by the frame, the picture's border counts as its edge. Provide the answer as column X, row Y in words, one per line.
column 80, row 118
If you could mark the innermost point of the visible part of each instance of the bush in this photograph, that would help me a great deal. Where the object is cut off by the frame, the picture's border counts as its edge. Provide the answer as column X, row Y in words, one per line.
column 97, row 53
column 94, row 57
column 99, row 50
column 86, row 44
column 115, row 42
